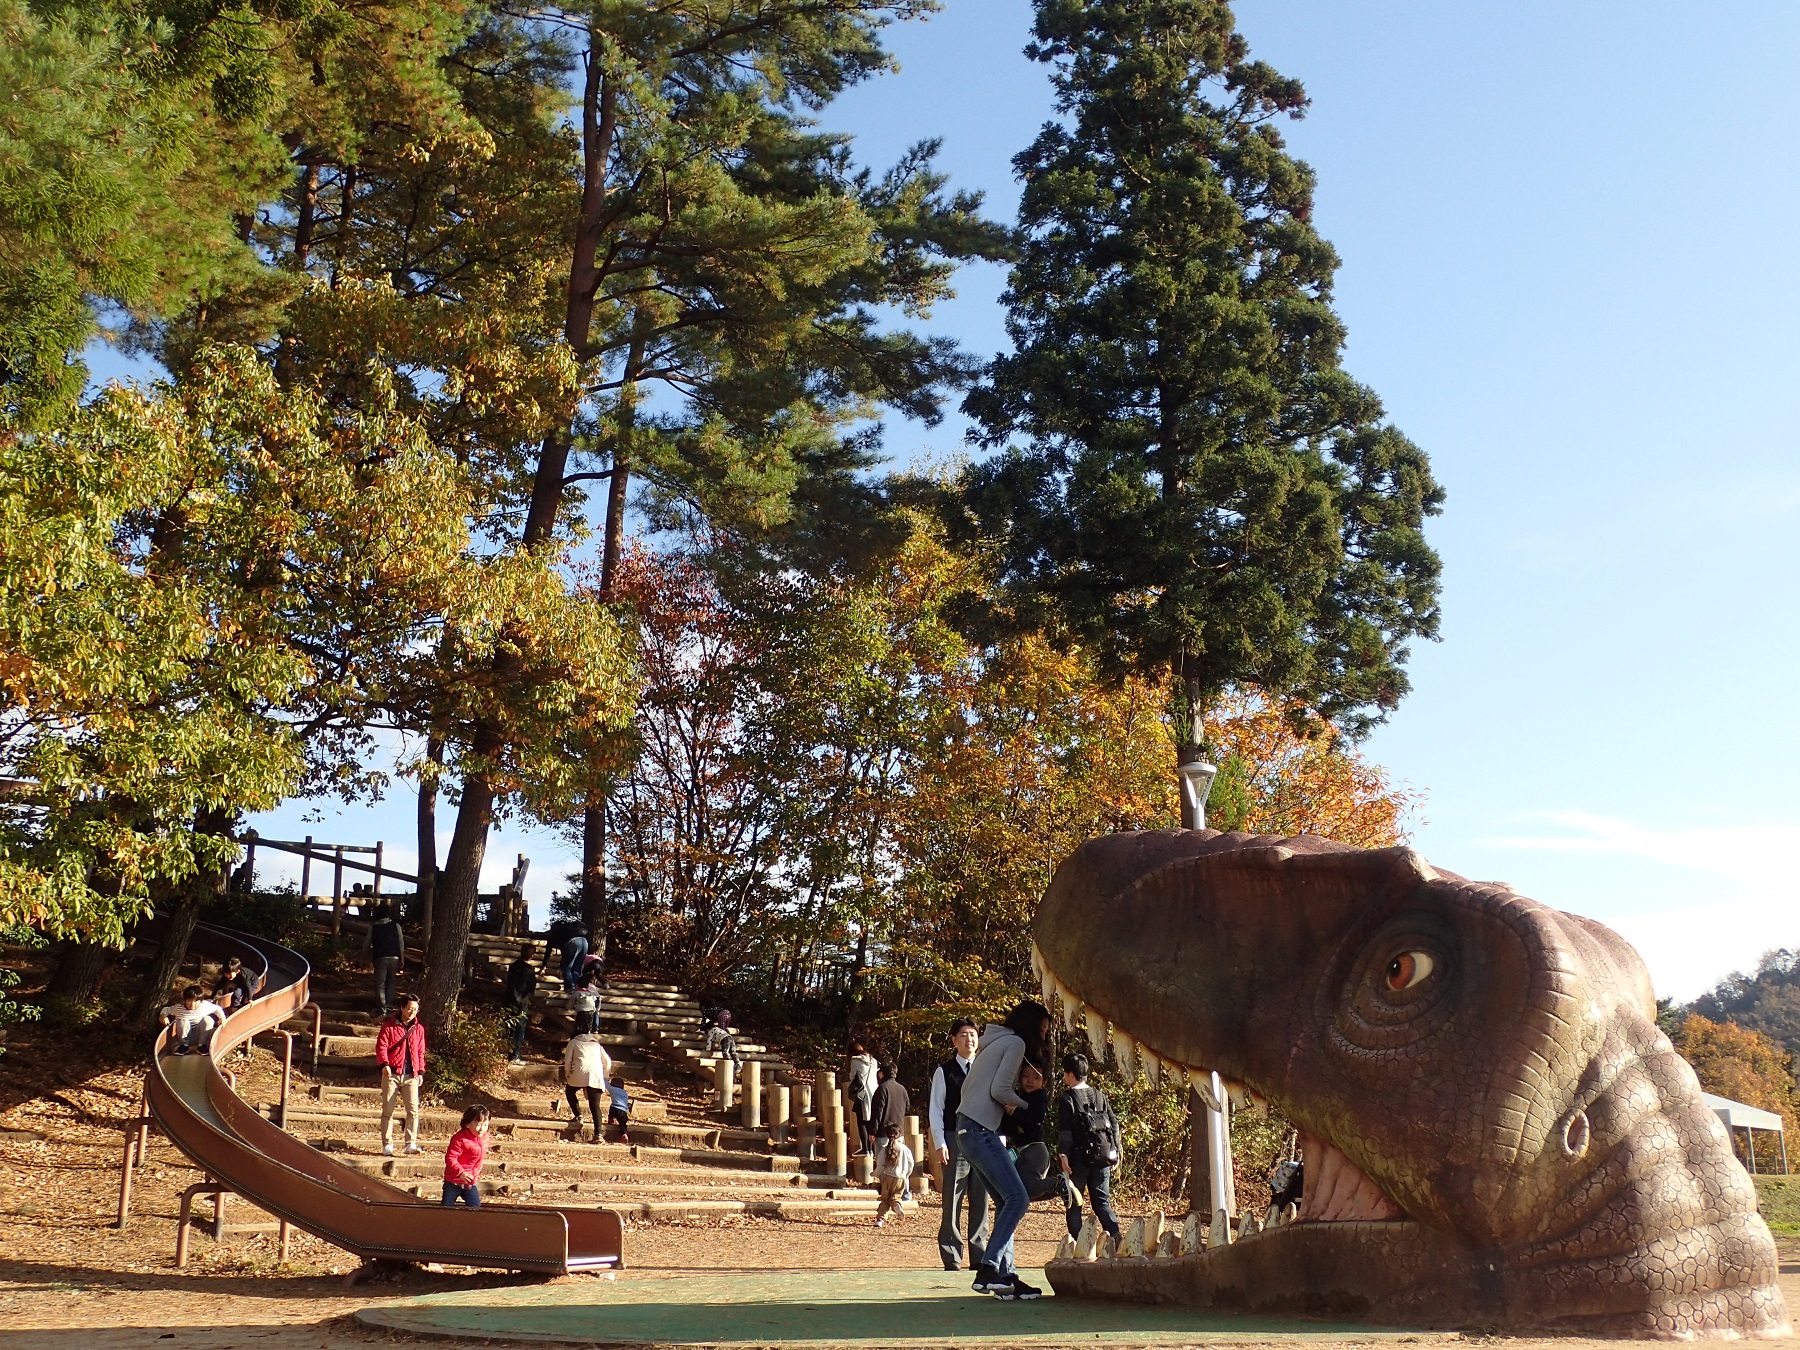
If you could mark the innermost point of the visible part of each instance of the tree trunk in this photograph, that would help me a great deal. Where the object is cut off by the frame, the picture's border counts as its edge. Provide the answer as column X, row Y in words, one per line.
column 428, row 793
column 78, row 972
column 596, row 902
column 1199, row 1171
column 184, row 914
column 460, row 887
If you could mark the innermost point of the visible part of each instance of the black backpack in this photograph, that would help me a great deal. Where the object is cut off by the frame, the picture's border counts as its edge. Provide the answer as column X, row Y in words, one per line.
column 1093, row 1125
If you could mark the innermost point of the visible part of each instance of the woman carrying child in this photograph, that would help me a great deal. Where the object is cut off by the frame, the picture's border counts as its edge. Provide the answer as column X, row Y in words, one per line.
column 463, row 1158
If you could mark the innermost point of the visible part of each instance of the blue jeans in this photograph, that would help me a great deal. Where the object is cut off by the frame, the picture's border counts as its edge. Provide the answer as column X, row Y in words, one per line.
column 986, row 1152
column 1097, row 1182
column 469, row 1195
column 574, row 957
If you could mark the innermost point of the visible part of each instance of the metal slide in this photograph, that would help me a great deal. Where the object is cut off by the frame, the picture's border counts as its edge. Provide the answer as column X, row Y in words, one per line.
column 197, row 1109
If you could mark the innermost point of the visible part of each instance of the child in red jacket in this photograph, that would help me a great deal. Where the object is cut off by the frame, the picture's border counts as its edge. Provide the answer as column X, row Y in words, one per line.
column 463, row 1158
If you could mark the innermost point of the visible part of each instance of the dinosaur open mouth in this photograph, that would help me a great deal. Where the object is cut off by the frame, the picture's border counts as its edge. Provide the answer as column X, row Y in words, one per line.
column 1335, row 1189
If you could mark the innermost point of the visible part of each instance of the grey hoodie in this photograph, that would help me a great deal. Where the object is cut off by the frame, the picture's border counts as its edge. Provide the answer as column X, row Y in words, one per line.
column 993, row 1077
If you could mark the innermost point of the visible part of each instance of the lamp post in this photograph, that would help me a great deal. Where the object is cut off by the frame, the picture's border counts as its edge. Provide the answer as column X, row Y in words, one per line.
column 1196, row 782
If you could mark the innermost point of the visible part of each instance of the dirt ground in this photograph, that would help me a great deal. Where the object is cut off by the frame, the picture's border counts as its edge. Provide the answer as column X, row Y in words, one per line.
column 69, row 1278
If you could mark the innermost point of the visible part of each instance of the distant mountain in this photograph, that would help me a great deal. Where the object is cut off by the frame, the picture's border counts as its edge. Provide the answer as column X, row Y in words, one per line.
column 1768, row 1001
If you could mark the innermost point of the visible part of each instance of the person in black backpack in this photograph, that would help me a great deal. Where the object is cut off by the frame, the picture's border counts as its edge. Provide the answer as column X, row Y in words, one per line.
column 1087, row 1133
column 387, row 948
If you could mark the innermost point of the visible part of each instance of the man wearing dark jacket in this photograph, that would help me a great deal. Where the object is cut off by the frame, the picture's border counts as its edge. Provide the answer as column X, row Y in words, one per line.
column 1083, row 1158
column 521, row 984
column 888, row 1107
column 387, row 946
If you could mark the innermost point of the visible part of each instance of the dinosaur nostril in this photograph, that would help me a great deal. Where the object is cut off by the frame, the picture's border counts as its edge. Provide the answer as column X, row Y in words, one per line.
column 1575, row 1134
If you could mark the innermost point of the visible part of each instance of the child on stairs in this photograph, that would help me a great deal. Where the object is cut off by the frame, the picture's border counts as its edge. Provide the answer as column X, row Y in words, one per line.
column 463, row 1158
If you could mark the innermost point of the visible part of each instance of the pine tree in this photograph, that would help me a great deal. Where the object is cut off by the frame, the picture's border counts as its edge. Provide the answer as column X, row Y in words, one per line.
column 675, row 285
column 1192, row 484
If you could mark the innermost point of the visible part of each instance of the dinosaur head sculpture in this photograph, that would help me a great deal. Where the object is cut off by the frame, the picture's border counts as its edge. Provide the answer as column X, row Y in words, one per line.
column 1495, row 1131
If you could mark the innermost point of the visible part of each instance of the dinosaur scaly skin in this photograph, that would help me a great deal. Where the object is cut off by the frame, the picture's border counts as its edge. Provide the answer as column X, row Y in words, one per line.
column 1497, row 1134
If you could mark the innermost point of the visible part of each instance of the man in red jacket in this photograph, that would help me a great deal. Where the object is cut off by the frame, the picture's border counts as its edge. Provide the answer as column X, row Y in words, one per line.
column 400, row 1051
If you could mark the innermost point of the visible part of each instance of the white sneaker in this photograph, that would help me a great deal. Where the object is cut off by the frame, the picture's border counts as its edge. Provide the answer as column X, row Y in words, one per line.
column 414, row 1148
column 387, row 1150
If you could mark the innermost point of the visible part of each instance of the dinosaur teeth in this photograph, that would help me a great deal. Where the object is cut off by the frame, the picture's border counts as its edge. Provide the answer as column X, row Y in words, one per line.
column 1125, row 1048
column 1095, row 1026
column 1071, row 1006
column 1046, row 981
column 1153, row 1066
column 1038, row 966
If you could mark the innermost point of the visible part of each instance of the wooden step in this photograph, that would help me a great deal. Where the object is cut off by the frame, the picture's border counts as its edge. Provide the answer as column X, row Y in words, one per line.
column 315, row 1124
column 628, row 1172
column 652, row 1210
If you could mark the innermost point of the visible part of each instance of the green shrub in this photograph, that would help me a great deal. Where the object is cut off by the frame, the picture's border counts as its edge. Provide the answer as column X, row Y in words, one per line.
column 1779, row 1199
column 473, row 1050
column 12, row 1012
column 279, row 915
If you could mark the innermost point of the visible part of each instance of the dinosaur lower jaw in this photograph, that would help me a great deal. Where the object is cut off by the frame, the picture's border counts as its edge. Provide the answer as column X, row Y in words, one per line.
column 1337, row 1190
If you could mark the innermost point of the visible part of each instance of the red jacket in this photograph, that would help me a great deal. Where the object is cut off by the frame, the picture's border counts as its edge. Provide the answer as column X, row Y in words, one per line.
column 393, row 1042
column 463, row 1159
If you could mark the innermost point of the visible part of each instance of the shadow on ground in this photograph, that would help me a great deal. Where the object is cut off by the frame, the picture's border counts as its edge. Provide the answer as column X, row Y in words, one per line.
column 839, row 1307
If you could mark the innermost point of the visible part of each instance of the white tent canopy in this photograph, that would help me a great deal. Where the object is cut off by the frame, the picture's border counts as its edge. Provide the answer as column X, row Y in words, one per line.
column 1737, row 1116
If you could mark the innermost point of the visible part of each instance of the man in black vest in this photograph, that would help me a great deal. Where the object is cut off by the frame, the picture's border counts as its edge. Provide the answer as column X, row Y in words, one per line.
column 959, row 1178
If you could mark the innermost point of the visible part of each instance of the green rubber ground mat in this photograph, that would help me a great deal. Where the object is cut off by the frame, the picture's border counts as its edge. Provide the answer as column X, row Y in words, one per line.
column 831, row 1307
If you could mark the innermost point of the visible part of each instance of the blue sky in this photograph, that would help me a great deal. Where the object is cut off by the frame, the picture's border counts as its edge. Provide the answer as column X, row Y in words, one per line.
column 1569, row 269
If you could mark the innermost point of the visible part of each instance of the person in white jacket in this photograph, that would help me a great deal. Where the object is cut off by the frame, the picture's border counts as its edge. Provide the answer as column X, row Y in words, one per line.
column 863, row 1078
column 584, row 1070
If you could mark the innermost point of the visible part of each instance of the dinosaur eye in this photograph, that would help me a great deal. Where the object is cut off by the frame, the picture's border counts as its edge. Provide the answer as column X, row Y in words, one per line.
column 1408, row 969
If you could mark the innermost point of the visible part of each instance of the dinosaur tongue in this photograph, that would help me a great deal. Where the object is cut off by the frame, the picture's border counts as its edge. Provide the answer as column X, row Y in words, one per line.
column 1336, row 1190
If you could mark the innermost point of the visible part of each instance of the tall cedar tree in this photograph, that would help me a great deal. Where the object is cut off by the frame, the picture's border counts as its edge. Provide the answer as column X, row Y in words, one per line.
column 1201, row 489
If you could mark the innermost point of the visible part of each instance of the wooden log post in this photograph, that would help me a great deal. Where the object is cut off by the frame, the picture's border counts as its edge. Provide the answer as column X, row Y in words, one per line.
column 827, row 1102
column 780, row 1121
column 725, row 1081
column 852, row 1126
column 306, row 895
column 752, row 1100
column 337, row 894
column 837, row 1153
